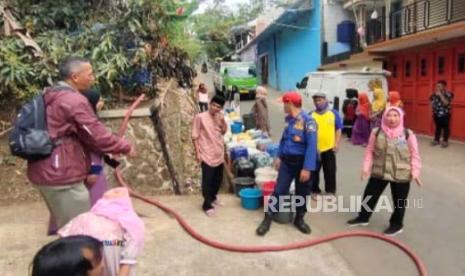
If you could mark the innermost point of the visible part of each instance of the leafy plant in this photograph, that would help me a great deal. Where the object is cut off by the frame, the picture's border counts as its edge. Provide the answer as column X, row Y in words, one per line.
column 112, row 33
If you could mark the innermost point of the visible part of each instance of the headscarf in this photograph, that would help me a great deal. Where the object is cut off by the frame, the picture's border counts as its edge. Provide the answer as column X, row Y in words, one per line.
column 261, row 92
column 364, row 106
column 120, row 210
column 379, row 102
column 394, row 99
column 399, row 129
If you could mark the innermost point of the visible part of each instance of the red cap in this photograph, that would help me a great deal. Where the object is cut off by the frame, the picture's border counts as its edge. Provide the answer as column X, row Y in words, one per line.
column 293, row 97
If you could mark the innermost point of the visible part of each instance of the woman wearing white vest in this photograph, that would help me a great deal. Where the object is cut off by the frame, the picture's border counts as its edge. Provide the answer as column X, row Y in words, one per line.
column 391, row 156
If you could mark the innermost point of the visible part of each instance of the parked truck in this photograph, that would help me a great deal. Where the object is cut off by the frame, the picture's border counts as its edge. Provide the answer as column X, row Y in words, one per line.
column 241, row 75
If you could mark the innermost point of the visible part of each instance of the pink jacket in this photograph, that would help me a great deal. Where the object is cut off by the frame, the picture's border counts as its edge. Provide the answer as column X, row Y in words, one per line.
column 413, row 146
column 74, row 127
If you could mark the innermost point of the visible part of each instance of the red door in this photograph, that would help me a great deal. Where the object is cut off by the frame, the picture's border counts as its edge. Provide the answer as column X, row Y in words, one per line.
column 423, row 113
column 458, row 88
column 395, row 79
column 443, row 65
column 409, row 77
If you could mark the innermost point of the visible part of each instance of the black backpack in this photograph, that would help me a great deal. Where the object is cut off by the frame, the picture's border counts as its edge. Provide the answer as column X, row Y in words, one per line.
column 29, row 138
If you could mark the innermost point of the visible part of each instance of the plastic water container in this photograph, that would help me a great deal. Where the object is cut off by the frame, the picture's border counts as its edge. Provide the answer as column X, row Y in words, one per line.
column 243, row 168
column 261, row 159
column 262, row 143
column 272, row 150
column 243, row 183
column 265, row 174
column 236, row 127
column 238, row 152
column 268, row 189
column 345, row 31
column 250, row 198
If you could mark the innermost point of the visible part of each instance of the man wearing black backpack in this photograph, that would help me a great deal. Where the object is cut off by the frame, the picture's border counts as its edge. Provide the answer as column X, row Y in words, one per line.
column 73, row 128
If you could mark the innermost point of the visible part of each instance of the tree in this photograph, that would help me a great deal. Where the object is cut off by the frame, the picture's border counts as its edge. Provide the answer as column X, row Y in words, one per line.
column 114, row 34
column 213, row 26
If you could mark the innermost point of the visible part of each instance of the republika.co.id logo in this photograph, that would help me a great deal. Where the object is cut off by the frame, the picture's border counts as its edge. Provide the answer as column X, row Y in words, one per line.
column 340, row 204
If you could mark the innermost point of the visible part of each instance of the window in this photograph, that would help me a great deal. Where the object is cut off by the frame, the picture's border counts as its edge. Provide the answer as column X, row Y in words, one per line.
column 423, row 67
column 303, row 83
column 408, row 67
column 394, row 70
column 461, row 63
column 385, row 65
column 441, row 65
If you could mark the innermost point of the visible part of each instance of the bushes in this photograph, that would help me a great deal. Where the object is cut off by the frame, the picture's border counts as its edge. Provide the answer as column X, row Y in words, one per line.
column 114, row 34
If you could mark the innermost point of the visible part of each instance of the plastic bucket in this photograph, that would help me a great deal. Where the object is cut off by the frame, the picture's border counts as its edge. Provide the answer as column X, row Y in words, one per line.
column 268, row 189
column 243, row 183
column 250, row 198
column 236, row 127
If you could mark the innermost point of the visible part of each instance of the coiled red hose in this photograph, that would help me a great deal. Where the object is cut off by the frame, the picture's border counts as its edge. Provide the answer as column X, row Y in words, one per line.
column 267, row 248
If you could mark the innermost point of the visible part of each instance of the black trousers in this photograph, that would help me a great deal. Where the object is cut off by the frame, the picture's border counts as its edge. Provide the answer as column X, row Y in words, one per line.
column 211, row 182
column 442, row 125
column 328, row 163
column 203, row 106
column 289, row 170
column 348, row 125
column 375, row 188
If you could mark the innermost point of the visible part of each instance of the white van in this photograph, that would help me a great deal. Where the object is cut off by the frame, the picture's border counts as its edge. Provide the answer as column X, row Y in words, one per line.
column 335, row 83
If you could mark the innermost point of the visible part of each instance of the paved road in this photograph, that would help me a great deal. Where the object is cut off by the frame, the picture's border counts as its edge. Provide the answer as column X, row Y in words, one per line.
column 436, row 232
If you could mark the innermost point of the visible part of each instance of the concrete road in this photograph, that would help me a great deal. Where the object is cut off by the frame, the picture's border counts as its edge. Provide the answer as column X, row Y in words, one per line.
column 436, row 232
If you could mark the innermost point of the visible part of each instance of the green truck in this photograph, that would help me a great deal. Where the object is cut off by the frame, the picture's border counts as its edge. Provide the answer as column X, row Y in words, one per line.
column 235, row 74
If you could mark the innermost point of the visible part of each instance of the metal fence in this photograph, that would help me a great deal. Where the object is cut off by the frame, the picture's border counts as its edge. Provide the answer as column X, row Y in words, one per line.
column 423, row 15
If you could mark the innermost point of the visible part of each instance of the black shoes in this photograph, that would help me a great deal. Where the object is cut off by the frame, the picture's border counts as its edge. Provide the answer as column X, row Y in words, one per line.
column 393, row 230
column 264, row 225
column 357, row 222
column 301, row 225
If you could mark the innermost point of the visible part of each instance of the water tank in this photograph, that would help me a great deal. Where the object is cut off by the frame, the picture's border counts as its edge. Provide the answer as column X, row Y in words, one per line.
column 345, row 31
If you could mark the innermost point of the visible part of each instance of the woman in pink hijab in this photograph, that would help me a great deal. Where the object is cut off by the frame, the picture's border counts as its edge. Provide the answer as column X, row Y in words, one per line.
column 391, row 157
column 113, row 221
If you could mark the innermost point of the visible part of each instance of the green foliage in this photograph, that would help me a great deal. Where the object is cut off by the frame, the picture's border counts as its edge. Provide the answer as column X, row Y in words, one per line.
column 111, row 33
column 213, row 26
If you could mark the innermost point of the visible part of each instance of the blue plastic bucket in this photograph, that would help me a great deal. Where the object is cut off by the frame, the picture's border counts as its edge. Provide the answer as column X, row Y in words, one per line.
column 251, row 198
column 236, row 127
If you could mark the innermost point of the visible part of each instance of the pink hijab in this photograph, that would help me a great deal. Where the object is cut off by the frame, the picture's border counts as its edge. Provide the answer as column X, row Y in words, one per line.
column 107, row 219
column 398, row 130
column 121, row 211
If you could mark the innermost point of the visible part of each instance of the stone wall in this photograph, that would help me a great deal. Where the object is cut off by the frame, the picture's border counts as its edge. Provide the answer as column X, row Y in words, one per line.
column 148, row 173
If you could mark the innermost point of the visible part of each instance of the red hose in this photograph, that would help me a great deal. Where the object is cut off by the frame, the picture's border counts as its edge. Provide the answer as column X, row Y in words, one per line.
column 256, row 249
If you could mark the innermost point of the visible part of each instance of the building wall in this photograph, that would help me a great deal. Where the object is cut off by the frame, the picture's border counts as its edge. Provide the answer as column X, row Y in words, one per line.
column 427, row 65
column 249, row 54
column 333, row 14
column 266, row 47
column 293, row 52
